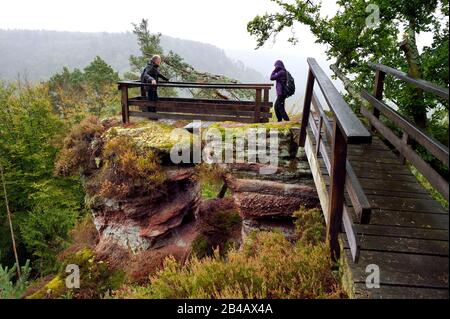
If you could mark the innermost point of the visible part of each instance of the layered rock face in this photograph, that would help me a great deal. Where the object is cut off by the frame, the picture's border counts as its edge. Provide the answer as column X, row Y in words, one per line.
column 268, row 201
column 144, row 207
column 145, row 220
column 142, row 227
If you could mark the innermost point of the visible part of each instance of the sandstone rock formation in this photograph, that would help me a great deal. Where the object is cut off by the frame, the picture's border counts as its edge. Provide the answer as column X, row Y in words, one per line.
column 139, row 222
column 268, row 201
column 142, row 220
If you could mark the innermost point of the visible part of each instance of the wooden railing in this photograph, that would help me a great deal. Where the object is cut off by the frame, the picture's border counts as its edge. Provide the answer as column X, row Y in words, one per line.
column 409, row 131
column 198, row 109
column 346, row 129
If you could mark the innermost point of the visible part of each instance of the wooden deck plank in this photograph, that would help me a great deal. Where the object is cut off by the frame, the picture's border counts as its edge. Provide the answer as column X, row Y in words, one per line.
column 403, row 232
column 402, row 269
column 397, row 193
column 399, row 292
column 403, row 245
column 408, row 232
column 395, row 186
column 409, row 219
column 407, row 204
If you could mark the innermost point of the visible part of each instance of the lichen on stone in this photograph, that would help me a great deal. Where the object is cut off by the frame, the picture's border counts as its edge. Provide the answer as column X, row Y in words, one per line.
column 152, row 134
column 239, row 129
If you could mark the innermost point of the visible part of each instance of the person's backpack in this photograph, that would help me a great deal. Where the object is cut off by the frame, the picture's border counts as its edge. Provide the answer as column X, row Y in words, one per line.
column 289, row 88
column 146, row 88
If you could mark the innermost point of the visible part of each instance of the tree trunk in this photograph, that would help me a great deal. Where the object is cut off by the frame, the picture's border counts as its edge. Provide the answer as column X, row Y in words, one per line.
column 417, row 108
column 10, row 222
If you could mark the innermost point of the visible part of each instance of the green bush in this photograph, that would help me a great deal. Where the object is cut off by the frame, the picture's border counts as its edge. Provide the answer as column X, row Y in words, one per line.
column 211, row 180
column 127, row 166
column 45, row 233
column 310, row 226
column 218, row 223
column 267, row 267
column 10, row 286
column 78, row 153
column 96, row 279
column 43, row 206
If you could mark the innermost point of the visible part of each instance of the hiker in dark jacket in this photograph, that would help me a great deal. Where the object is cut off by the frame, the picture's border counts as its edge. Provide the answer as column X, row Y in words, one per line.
column 152, row 75
column 280, row 76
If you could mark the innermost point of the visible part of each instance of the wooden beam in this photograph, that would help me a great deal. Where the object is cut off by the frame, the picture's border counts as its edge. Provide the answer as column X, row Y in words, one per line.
column 353, row 131
column 124, row 103
column 175, row 116
column 424, row 85
column 436, row 180
column 266, row 96
column 432, row 145
column 354, row 189
column 201, row 104
column 258, row 106
column 192, row 110
column 306, row 108
column 338, row 173
column 378, row 92
column 225, row 86
column 320, row 182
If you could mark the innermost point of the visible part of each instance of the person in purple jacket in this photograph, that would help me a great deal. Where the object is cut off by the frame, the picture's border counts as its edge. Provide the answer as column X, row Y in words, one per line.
column 280, row 76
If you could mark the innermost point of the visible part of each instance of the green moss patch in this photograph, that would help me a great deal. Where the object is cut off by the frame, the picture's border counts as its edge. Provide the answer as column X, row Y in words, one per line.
column 96, row 279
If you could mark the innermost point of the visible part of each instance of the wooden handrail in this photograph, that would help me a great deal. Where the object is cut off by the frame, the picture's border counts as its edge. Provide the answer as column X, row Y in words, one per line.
column 410, row 131
column 432, row 145
column 201, row 109
column 424, row 85
column 346, row 129
column 192, row 85
column 351, row 127
column 358, row 198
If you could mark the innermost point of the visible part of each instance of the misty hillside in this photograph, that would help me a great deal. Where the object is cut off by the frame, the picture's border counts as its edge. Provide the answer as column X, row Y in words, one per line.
column 37, row 55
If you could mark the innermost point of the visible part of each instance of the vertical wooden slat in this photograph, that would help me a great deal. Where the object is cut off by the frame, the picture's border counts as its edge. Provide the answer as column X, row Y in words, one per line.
column 338, row 173
column 258, row 106
column 124, row 102
column 266, row 95
column 319, row 135
column 378, row 92
column 306, row 108
column 405, row 141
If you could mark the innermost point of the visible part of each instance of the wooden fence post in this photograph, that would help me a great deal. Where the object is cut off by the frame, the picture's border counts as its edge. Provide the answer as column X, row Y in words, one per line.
column 338, row 173
column 378, row 93
column 124, row 102
column 258, row 106
column 405, row 140
column 306, row 108
column 266, row 96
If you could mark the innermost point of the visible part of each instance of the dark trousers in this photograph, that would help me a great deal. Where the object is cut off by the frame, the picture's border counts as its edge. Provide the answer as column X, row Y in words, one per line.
column 280, row 111
column 152, row 96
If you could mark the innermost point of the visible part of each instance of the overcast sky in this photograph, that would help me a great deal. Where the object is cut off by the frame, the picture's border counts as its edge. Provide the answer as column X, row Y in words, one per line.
column 219, row 22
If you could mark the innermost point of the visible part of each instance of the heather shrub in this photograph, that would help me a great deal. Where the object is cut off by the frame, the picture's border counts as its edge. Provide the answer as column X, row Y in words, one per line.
column 126, row 166
column 211, row 179
column 310, row 226
column 78, row 153
column 219, row 223
column 268, row 266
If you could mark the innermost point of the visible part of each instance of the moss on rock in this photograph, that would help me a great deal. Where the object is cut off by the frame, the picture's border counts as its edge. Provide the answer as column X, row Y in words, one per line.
column 152, row 135
column 239, row 129
column 96, row 279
